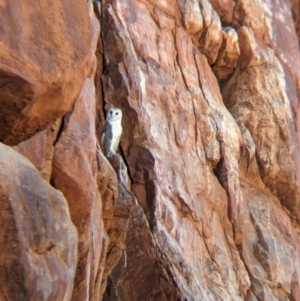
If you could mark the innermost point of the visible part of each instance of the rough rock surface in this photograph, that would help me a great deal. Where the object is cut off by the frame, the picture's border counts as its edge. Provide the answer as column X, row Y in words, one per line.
column 38, row 255
column 39, row 149
column 181, row 143
column 75, row 174
column 202, row 202
column 116, row 213
column 45, row 54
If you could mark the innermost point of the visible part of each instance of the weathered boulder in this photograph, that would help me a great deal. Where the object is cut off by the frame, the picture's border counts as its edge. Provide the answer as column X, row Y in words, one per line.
column 202, row 22
column 38, row 255
column 39, row 149
column 45, row 54
column 228, row 55
column 225, row 9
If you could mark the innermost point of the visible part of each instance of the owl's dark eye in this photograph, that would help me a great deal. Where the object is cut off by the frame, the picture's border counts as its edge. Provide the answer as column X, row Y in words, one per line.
column 117, row 113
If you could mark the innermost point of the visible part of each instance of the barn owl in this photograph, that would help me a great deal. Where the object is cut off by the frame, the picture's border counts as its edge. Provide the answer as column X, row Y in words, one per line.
column 112, row 131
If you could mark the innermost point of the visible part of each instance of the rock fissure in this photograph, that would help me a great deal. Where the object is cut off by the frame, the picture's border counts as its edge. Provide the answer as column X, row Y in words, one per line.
column 59, row 132
column 195, row 128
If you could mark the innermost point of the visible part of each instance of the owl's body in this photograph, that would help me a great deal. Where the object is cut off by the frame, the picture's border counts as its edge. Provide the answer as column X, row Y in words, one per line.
column 112, row 131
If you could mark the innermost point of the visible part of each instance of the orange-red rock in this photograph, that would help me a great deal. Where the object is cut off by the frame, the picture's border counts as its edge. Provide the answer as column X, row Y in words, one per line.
column 181, row 143
column 141, row 266
column 228, row 55
column 116, row 210
column 203, row 24
column 202, row 203
column 75, row 174
column 38, row 255
column 46, row 51
column 39, row 149
column 225, row 9
column 261, row 96
column 172, row 154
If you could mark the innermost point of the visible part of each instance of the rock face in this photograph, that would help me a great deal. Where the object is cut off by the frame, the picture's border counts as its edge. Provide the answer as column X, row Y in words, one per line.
column 184, row 137
column 38, row 256
column 74, row 173
column 202, row 202
column 41, row 46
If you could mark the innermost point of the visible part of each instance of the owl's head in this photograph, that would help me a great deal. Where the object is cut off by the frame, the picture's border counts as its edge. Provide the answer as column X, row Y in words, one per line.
column 114, row 114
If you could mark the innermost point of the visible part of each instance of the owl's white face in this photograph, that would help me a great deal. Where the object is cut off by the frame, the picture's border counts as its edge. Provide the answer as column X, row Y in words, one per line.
column 114, row 114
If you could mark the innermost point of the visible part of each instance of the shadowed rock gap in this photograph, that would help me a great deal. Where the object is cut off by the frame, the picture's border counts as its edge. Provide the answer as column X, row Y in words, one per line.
column 61, row 127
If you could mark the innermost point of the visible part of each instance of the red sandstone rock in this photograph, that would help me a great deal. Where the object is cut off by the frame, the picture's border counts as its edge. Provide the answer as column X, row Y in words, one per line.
column 225, row 9
column 261, row 96
column 38, row 255
column 214, row 171
column 203, row 24
column 141, row 266
column 228, row 54
column 46, row 52
column 74, row 173
column 39, row 149
column 116, row 210
column 177, row 130
column 178, row 191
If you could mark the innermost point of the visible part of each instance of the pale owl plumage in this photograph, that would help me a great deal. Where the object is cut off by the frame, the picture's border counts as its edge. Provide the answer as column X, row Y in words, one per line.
column 112, row 131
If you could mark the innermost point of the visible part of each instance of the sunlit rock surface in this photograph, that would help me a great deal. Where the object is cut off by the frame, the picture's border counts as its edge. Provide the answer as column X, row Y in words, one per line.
column 202, row 201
